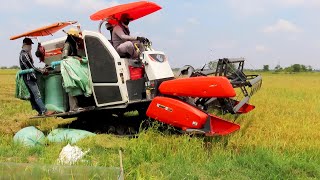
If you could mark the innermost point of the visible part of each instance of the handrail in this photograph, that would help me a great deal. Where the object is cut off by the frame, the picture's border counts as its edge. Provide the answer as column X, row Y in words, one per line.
column 25, row 71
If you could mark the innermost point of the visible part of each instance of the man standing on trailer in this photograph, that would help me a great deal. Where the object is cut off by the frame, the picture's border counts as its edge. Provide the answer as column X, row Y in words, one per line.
column 30, row 79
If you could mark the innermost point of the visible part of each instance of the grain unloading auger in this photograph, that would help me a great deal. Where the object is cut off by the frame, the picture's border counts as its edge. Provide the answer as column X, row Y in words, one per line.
column 184, row 102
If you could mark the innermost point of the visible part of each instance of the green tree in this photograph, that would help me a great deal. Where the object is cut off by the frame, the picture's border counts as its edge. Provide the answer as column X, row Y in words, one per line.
column 296, row 68
column 289, row 69
column 14, row 67
column 278, row 68
column 265, row 67
column 213, row 65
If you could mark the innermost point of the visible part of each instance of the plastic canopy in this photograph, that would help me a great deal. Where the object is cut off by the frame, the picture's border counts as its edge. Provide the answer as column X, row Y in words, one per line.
column 44, row 31
column 135, row 10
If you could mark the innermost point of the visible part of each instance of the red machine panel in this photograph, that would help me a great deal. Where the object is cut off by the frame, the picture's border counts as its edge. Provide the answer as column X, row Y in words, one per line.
column 136, row 72
column 180, row 114
column 219, row 126
column 176, row 113
column 245, row 108
column 198, row 87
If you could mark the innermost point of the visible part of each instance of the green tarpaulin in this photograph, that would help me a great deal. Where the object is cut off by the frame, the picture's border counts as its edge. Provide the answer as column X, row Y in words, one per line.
column 76, row 76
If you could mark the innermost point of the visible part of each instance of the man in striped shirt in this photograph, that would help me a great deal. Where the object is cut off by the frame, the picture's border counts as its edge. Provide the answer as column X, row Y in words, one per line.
column 26, row 62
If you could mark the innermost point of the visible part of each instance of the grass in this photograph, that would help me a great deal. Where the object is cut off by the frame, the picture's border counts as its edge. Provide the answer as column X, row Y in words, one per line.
column 278, row 140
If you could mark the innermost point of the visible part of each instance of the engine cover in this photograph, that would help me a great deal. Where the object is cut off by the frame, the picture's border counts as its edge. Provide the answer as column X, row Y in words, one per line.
column 203, row 86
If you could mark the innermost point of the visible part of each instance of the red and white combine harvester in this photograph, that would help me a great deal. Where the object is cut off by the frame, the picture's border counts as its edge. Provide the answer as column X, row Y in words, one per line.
column 148, row 84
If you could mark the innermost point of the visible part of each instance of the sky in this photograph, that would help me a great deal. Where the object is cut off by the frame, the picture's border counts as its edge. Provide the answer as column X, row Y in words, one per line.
column 189, row 32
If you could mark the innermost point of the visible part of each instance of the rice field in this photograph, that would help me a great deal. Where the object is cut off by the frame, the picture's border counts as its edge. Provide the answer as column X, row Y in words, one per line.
column 280, row 139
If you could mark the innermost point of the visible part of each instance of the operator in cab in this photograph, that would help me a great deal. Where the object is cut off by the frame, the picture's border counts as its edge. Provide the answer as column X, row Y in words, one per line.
column 123, row 42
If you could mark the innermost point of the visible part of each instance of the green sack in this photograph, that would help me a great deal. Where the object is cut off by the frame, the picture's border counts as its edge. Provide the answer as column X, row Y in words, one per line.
column 70, row 135
column 76, row 76
column 55, row 95
column 22, row 91
column 29, row 136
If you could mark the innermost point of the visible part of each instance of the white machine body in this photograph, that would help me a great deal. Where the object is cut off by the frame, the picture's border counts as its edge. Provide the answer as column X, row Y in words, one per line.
column 156, row 65
column 109, row 73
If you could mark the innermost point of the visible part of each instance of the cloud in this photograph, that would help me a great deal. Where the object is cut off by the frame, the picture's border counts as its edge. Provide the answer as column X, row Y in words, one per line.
column 224, row 44
column 79, row 5
column 282, row 26
column 12, row 6
column 261, row 48
column 298, row 3
column 19, row 26
column 179, row 30
column 254, row 7
column 174, row 43
column 51, row 2
column 187, row 5
column 247, row 7
column 90, row 5
column 291, row 2
column 193, row 21
column 154, row 18
column 137, row 33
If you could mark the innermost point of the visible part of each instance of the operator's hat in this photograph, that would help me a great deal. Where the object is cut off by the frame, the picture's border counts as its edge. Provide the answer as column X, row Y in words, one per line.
column 74, row 32
column 27, row 41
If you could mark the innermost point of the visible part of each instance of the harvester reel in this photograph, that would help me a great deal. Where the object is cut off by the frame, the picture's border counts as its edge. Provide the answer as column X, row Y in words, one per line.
column 186, row 71
column 233, row 70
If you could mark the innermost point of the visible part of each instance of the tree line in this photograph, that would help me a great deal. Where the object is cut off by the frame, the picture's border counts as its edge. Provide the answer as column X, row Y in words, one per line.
column 212, row 65
column 10, row 67
column 291, row 69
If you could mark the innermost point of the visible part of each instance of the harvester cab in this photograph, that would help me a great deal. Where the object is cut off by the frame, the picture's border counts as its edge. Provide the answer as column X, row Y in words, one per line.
column 127, row 80
column 148, row 84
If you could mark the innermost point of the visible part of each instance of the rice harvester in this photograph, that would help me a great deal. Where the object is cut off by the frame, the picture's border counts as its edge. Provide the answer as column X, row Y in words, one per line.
column 148, row 84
